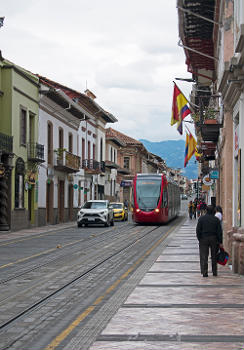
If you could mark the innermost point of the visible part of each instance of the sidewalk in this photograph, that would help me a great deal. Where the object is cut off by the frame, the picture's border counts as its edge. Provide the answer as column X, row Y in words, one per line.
column 175, row 308
column 9, row 235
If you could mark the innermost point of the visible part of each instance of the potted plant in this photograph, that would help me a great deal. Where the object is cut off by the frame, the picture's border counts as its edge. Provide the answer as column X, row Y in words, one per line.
column 60, row 152
column 210, row 116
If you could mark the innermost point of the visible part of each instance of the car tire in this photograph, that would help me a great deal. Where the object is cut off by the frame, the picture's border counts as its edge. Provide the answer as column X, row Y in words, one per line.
column 112, row 222
column 79, row 224
column 106, row 224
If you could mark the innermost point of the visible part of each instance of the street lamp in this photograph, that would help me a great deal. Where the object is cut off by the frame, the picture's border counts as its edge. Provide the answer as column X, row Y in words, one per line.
column 1, row 21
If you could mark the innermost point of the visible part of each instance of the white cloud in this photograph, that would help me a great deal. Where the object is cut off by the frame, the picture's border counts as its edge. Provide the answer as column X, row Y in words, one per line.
column 125, row 51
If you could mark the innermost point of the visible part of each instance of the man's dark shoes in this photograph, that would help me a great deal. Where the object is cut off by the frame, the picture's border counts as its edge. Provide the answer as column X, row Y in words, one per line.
column 215, row 274
column 205, row 275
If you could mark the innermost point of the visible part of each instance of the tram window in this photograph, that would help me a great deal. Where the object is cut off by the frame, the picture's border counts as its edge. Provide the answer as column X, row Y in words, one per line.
column 165, row 198
column 132, row 198
column 148, row 193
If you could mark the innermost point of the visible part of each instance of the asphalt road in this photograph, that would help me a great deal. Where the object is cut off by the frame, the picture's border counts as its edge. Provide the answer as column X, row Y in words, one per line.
column 53, row 284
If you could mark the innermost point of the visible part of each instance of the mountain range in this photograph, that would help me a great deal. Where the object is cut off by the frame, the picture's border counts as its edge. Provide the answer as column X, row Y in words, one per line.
column 173, row 152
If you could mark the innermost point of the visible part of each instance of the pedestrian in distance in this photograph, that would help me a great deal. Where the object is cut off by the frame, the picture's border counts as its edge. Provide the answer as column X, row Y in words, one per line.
column 209, row 234
column 203, row 207
column 195, row 209
column 126, row 204
column 190, row 209
column 219, row 213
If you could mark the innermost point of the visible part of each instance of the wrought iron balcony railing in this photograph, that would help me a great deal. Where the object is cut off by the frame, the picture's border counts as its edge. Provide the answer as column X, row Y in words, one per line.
column 66, row 161
column 93, row 165
column 35, row 152
column 6, row 143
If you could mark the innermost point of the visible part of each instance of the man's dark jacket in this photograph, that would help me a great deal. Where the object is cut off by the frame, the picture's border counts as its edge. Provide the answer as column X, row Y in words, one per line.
column 209, row 225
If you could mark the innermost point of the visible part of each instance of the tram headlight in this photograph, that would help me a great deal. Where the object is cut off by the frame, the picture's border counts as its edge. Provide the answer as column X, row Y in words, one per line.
column 156, row 210
column 138, row 210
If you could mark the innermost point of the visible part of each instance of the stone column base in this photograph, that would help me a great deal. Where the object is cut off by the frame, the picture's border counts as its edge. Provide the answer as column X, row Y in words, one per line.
column 238, row 252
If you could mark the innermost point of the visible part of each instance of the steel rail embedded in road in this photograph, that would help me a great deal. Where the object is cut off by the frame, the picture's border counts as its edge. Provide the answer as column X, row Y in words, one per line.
column 71, row 282
column 50, row 260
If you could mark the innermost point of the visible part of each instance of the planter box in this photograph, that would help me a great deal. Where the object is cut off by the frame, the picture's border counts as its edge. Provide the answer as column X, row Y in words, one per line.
column 210, row 121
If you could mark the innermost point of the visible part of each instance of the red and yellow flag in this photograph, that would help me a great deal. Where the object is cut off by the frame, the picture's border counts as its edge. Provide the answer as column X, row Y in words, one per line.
column 190, row 148
column 179, row 108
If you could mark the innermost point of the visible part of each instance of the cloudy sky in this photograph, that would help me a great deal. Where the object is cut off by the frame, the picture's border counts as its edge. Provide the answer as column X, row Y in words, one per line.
column 125, row 52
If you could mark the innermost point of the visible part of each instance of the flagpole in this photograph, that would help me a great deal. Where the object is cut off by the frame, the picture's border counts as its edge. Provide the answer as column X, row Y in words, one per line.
column 188, row 129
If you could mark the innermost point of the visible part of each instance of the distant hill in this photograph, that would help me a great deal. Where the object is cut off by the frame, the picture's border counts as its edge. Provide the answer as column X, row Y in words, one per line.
column 173, row 152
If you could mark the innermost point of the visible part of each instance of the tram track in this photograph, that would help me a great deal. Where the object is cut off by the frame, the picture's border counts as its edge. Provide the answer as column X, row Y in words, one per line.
column 73, row 281
column 59, row 249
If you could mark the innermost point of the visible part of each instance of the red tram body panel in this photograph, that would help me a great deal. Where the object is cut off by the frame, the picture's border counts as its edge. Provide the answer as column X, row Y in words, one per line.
column 155, row 199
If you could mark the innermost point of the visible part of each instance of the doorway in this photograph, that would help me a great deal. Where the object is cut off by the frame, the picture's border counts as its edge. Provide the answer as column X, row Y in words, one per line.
column 49, row 202
column 61, row 201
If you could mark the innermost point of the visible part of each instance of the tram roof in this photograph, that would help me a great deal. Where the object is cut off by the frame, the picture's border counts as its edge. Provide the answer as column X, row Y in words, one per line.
column 154, row 175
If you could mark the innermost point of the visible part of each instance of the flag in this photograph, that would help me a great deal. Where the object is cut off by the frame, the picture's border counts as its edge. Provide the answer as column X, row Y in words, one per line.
column 186, row 150
column 179, row 108
column 197, row 154
column 190, row 148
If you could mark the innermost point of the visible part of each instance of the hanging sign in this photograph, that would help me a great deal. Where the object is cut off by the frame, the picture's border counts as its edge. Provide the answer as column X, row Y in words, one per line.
column 214, row 174
column 207, row 180
column 75, row 186
column 126, row 183
column 32, row 178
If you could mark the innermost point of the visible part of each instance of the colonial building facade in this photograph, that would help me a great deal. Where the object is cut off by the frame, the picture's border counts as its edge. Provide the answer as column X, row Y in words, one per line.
column 213, row 46
column 21, row 154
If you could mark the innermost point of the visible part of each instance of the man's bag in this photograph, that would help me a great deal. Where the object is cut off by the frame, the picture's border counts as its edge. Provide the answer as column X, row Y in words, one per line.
column 222, row 256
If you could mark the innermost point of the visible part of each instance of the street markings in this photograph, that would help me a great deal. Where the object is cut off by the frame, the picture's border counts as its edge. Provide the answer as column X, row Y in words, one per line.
column 65, row 333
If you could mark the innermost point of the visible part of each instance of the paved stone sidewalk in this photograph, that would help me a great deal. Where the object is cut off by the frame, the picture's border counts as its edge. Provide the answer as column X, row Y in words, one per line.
column 175, row 308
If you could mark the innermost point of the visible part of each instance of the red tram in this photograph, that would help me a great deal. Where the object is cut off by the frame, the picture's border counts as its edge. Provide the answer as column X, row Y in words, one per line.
column 156, row 199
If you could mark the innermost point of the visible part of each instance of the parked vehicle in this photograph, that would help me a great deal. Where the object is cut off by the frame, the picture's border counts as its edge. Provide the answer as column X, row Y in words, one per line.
column 95, row 212
column 120, row 211
column 156, row 199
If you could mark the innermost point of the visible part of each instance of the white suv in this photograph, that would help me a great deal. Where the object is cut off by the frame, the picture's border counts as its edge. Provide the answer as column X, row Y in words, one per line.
column 95, row 212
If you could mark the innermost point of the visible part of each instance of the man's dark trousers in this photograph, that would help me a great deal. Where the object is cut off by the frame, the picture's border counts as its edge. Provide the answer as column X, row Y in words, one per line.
column 204, row 245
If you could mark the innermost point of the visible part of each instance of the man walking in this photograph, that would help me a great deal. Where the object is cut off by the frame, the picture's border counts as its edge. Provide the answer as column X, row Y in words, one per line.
column 209, row 235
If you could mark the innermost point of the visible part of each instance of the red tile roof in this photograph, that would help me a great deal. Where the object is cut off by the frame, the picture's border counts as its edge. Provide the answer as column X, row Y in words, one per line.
column 85, row 101
column 126, row 139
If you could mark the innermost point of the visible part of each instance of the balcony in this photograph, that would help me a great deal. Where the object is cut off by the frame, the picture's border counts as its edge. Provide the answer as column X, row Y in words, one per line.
column 6, row 143
column 210, row 132
column 66, row 161
column 124, row 171
column 92, row 166
column 35, row 152
column 111, row 165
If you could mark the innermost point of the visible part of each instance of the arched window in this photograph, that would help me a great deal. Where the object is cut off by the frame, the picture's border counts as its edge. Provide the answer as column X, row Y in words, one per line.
column 101, row 150
column 60, row 138
column 19, row 183
column 70, row 142
column 49, row 143
column 111, row 154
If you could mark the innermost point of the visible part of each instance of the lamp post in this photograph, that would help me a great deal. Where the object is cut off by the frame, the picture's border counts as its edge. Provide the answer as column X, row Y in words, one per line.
column 1, row 21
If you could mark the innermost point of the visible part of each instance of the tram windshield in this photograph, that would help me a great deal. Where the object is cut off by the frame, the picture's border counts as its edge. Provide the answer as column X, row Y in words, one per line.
column 148, row 193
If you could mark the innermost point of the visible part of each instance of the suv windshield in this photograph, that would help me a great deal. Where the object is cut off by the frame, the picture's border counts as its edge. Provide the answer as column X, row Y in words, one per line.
column 95, row 205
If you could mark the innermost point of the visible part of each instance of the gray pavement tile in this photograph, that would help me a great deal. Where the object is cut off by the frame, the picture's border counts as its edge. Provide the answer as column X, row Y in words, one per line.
column 149, row 345
column 182, row 321
column 186, row 295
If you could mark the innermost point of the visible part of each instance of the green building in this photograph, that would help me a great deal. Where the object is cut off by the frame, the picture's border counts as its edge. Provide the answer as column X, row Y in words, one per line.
column 20, row 153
